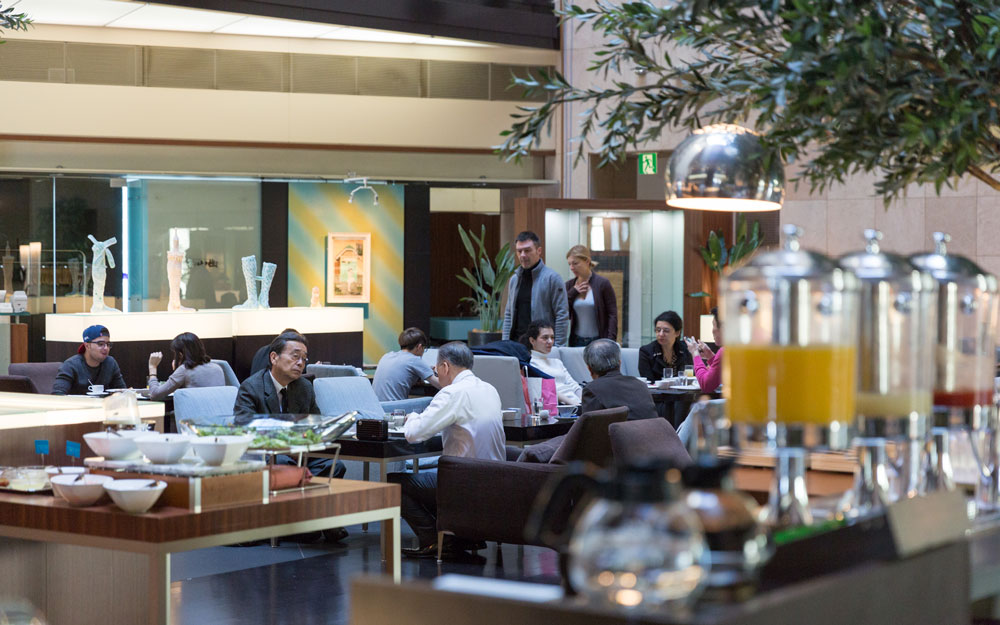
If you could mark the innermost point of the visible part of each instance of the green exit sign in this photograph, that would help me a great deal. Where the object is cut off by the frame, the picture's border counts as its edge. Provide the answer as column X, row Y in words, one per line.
column 647, row 163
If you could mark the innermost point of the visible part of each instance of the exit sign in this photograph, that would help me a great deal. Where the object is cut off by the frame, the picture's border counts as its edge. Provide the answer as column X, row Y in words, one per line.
column 647, row 163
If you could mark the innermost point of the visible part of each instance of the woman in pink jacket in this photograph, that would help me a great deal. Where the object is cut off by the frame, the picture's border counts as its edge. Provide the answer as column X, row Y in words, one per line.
column 709, row 375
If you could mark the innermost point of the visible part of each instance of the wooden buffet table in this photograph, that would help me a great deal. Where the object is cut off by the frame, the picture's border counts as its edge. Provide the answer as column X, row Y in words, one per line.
column 100, row 565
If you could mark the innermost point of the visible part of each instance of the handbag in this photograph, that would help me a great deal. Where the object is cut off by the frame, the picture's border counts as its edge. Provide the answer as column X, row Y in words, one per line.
column 542, row 389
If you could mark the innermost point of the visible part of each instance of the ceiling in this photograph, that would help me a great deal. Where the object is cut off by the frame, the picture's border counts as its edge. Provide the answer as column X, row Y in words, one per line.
column 151, row 16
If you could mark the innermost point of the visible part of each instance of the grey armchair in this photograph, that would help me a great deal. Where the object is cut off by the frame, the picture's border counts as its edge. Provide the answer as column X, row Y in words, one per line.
column 206, row 405
column 227, row 370
column 342, row 394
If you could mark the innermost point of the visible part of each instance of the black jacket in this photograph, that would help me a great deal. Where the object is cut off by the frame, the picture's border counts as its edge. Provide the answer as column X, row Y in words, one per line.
column 605, row 305
column 652, row 363
column 613, row 389
column 257, row 395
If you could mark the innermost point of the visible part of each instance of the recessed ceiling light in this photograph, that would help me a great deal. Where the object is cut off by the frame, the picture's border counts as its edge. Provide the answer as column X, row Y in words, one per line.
column 267, row 27
column 75, row 12
column 364, row 34
column 155, row 17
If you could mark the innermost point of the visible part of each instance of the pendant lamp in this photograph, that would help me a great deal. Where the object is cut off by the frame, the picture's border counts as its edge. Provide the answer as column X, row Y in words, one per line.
column 721, row 168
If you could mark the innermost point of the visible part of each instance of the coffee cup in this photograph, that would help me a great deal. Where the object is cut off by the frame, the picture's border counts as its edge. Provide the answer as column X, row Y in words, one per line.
column 95, row 389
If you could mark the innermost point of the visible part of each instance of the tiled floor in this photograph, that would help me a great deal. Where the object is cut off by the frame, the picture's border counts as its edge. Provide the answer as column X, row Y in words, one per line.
column 310, row 584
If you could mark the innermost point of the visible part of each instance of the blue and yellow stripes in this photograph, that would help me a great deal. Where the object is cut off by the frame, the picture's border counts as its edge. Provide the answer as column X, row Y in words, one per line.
column 314, row 209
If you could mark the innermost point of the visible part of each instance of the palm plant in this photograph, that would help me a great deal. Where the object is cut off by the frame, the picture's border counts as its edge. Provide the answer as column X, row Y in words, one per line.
column 488, row 279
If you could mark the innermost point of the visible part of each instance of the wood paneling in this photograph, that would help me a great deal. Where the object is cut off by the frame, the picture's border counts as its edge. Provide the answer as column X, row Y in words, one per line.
column 44, row 512
column 697, row 275
column 448, row 257
column 19, row 342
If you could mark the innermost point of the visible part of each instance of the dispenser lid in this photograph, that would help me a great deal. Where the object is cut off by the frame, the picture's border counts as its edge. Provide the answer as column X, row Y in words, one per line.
column 951, row 267
column 788, row 261
column 875, row 264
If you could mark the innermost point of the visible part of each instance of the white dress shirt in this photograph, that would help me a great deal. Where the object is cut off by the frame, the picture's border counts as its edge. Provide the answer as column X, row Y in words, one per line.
column 467, row 413
column 568, row 390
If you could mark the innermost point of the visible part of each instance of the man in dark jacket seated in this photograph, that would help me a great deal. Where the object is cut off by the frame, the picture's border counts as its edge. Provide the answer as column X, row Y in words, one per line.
column 611, row 389
column 281, row 390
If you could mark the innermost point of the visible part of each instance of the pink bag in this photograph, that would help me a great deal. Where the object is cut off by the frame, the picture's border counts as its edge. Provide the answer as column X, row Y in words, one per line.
column 540, row 388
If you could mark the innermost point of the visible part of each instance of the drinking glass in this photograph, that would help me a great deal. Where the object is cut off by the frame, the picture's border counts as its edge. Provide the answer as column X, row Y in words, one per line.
column 668, row 373
column 398, row 417
column 689, row 371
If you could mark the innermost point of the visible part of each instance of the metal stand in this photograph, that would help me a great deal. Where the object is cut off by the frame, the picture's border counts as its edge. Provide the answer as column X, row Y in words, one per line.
column 788, row 504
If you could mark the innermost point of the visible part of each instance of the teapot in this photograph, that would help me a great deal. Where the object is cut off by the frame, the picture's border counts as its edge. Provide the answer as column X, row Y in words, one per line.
column 635, row 544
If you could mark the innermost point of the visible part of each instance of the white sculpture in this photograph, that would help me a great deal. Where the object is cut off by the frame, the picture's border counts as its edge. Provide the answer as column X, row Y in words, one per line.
column 99, row 271
column 314, row 302
column 250, row 275
column 175, row 261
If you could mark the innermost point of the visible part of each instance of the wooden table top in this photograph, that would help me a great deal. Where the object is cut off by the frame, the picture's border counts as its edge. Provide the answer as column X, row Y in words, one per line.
column 166, row 524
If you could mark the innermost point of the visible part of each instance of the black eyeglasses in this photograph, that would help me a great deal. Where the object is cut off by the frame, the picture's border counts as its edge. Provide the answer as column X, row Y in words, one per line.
column 101, row 344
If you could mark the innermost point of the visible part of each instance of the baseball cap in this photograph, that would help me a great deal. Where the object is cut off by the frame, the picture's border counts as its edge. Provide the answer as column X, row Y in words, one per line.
column 94, row 332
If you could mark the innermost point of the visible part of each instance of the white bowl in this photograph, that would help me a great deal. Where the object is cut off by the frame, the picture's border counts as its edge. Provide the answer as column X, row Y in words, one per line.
column 164, row 448
column 65, row 470
column 114, row 446
column 219, row 450
column 85, row 492
column 134, row 496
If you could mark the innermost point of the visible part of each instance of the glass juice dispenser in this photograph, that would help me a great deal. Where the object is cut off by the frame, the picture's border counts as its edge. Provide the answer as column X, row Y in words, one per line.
column 966, row 362
column 897, row 337
column 790, row 319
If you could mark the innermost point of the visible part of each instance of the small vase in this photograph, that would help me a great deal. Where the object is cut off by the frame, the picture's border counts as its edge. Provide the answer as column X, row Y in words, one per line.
column 478, row 337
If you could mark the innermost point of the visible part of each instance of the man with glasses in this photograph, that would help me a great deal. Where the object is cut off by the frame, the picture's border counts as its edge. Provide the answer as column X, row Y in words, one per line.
column 280, row 390
column 91, row 366
column 466, row 412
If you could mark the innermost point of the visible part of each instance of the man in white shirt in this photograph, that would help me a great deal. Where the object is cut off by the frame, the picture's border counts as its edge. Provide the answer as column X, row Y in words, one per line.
column 467, row 414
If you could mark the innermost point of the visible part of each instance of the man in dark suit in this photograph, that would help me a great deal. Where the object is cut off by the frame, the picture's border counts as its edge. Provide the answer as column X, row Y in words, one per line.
column 611, row 389
column 280, row 390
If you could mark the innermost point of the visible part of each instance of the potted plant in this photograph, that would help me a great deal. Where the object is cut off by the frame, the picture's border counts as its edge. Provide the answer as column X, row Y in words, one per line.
column 717, row 256
column 488, row 279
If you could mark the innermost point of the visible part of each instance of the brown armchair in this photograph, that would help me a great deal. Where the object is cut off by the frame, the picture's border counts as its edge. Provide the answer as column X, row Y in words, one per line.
column 43, row 374
column 491, row 500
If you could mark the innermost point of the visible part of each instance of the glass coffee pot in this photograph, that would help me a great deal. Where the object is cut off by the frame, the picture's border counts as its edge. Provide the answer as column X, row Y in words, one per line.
column 897, row 338
column 636, row 544
column 790, row 321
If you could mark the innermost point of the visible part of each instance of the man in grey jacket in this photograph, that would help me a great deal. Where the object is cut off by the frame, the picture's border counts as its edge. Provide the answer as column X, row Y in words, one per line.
column 534, row 292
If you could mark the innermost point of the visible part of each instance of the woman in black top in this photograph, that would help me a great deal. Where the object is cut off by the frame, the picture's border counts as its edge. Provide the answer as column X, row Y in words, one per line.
column 666, row 351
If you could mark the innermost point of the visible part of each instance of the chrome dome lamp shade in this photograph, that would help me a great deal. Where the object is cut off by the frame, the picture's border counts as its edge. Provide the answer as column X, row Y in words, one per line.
column 721, row 168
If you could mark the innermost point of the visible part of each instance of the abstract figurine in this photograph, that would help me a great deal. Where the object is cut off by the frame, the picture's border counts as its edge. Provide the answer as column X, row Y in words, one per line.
column 99, row 272
column 255, row 300
column 175, row 261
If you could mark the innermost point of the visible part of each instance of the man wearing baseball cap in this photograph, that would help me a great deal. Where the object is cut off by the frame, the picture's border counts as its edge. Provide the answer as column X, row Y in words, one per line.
column 90, row 366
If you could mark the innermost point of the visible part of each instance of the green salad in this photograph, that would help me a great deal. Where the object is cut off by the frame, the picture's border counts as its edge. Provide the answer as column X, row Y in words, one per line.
column 272, row 439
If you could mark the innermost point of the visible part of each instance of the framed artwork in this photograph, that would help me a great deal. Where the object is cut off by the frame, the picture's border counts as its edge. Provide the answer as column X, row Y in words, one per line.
column 348, row 267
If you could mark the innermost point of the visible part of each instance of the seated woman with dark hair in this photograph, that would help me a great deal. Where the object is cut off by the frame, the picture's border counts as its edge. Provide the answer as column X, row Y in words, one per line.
column 666, row 351
column 192, row 367
column 708, row 364
column 540, row 338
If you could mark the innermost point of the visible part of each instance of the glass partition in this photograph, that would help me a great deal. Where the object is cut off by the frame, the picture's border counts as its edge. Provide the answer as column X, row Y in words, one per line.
column 640, row 252
column 212, row 223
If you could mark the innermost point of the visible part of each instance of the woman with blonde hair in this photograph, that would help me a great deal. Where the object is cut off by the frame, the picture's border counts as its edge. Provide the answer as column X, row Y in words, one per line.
column 593, row 308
